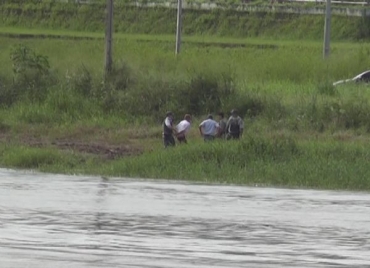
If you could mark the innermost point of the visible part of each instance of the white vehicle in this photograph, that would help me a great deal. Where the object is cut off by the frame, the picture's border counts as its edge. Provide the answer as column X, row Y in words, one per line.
column 362, row 77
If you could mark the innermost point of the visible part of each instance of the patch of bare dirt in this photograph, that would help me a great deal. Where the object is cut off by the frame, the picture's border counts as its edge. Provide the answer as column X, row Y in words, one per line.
column 103, row 150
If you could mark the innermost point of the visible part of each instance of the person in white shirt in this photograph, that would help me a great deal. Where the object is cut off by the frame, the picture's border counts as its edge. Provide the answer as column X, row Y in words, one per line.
column 183, row 128
column 209, row 128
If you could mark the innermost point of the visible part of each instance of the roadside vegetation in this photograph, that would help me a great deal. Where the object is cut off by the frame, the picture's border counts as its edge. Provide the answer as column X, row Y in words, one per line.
column 60, row 114
column 55, row 14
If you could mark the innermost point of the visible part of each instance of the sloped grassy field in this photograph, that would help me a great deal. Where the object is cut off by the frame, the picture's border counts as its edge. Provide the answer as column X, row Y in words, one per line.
column 301, row 131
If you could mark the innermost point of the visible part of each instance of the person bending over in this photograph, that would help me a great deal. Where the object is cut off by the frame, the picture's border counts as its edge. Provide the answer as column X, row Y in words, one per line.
column 183, row 128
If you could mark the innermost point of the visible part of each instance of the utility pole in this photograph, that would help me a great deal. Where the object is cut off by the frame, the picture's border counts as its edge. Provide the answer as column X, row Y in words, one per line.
column 179, row 26
column 327, row 29
column 108, row 37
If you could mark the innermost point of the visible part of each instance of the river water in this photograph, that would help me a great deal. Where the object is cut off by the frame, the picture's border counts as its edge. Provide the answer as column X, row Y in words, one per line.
column 72, row 221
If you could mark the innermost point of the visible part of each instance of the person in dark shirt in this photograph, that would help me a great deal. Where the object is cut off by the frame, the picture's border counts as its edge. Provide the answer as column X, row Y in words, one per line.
column 222, row 122
column 234, row 126
column 168, row 130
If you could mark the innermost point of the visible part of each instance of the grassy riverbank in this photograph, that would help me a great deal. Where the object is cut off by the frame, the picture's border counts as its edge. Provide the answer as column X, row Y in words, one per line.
column 323, row 163
column 59, row 115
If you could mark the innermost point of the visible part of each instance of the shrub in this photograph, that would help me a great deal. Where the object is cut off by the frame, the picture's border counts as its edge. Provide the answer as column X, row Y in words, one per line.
column 150, row 95
column 246, row 103
column 121, row 77
column 31, row 73
column 205, row 93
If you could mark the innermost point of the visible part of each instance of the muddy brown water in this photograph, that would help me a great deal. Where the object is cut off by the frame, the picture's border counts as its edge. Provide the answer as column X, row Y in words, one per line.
column 72, row 221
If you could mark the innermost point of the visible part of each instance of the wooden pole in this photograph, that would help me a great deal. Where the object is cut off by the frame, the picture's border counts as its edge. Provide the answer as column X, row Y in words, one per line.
column 108, row 37
column 326, row 51
column 179, row 26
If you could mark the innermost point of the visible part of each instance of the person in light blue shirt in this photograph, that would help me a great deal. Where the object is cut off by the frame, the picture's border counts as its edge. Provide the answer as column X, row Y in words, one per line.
column 209, row 128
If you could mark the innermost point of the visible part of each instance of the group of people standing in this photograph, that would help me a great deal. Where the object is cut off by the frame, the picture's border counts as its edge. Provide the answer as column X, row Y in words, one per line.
column 209, row 129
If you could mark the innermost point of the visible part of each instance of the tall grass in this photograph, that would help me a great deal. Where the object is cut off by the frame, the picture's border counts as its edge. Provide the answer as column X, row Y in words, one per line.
column 287, row 87
column 256, row 160
column 30, row 158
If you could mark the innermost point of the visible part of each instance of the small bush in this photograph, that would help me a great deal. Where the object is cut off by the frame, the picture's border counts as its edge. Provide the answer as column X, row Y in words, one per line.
column 31, row 73
column 206, row 93
column 152, row 95
column 121, row 77
column 247, row 104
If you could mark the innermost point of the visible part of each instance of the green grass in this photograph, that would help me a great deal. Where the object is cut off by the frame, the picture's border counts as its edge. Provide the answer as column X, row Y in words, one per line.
column 34, row 158
column 296, row 61
column 282, row 162
column 290, row 76
column 301, row 131
column 254, row 161
column 231, row 23
column 293, row 71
